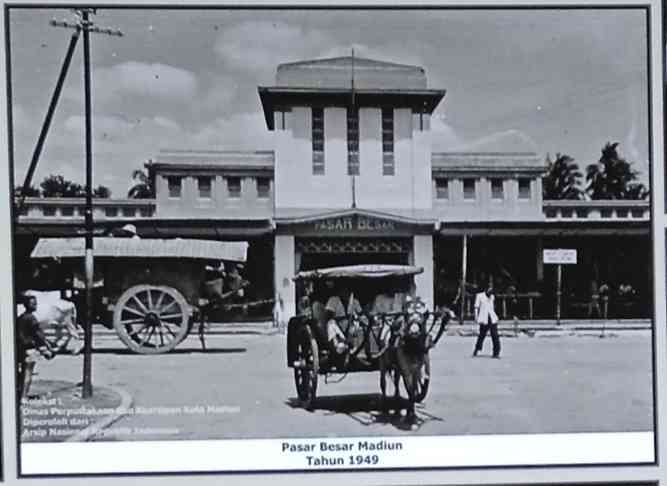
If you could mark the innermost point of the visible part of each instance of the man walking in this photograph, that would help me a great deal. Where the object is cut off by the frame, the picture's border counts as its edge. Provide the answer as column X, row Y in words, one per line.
column 486, row 317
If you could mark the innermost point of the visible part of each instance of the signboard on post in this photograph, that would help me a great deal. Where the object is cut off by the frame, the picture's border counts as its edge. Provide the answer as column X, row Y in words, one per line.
column 560, row 256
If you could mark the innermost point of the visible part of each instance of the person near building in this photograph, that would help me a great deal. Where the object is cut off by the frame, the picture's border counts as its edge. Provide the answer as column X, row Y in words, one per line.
column 486, row 317
column 31, row 345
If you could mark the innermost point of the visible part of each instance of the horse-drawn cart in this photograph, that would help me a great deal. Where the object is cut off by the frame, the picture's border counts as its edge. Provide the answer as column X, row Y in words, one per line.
column 150, row 290
column 392, row 335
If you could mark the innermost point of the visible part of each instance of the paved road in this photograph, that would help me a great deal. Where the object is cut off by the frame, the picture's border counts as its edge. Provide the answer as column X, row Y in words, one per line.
column 541, row 385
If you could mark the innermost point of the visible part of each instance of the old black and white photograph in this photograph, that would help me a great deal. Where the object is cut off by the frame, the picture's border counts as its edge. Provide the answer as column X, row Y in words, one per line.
column 336, row 235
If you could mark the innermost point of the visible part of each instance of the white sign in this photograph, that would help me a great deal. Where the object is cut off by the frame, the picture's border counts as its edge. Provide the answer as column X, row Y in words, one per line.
column 560, row 256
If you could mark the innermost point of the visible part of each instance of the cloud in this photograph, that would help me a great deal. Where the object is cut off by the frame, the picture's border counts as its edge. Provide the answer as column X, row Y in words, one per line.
column 506, row 141
column 139, row 80
column 259, row 46
column 443, row 135
column 242, row 131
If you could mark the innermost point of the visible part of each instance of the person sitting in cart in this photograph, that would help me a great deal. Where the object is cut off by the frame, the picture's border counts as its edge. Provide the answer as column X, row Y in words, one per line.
column 235, row 281
column 333, row 309
column 31, row 345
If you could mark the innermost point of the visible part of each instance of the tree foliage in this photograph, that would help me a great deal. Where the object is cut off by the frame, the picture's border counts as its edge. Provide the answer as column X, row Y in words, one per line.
column 143, row 186
column 31, row 191
column 563, row 179
column 102, row 192
column 613, row 177
column 58, row 186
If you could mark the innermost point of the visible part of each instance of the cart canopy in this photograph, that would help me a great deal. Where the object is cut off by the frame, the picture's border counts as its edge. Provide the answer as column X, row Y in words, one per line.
column 364, row 271
column 235, row 251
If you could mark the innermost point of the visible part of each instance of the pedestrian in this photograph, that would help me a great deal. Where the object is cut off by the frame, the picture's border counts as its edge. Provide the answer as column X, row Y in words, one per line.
column 31, row 344
column 486, row 317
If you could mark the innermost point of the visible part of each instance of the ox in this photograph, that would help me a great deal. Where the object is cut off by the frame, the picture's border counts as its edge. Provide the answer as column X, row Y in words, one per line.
column 58, row 319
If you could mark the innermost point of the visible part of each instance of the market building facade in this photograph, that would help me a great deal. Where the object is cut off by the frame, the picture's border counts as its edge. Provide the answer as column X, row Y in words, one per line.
column 352, row 178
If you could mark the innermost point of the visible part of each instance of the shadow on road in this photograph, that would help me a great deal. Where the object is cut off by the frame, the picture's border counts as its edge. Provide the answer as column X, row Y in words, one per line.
column 367, row 410
column 173, row 351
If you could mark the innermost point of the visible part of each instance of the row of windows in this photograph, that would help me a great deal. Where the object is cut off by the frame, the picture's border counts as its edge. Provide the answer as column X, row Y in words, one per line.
column 353, row 166
column 470, row 188
column 205, row 187
column 109, row 212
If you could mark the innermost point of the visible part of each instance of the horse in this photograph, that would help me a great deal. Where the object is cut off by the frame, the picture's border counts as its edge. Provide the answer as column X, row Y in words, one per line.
column 407, row 343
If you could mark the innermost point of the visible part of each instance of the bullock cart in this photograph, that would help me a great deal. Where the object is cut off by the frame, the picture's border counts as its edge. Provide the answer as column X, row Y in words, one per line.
column 392, row 324
column 150, row 290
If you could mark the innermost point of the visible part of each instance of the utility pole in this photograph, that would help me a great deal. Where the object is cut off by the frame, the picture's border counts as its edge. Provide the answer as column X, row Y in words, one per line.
column 86, row 25
column 47, row 120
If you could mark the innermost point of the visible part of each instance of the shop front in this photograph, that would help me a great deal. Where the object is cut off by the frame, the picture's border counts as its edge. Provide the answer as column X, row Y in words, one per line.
column 351, row 238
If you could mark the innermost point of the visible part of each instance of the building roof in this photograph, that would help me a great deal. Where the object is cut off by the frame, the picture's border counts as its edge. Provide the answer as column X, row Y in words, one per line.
column 487, row 162
column 214, row 159
column 338, row 72
column 142, row 248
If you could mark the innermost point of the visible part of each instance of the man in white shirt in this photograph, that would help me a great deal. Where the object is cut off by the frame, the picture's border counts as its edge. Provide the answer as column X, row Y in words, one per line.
column 486, row 317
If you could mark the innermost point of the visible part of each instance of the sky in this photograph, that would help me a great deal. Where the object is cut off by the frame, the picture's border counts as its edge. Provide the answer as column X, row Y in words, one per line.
column 549, row 81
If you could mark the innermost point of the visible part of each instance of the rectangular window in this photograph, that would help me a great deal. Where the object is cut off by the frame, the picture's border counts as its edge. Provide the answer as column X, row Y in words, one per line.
column 175, row 186
column 318, row 141
column 469, row 189
column 263, row 187
column 111, row 212
column 49, row 211
column 388, row 141
column 234, row 187
column 497, row 189
column 204, row 186
column 524, row 188
column 129, row 212
column 145, row 212
column 353, row 141
column 441, row 188
column 67, row 211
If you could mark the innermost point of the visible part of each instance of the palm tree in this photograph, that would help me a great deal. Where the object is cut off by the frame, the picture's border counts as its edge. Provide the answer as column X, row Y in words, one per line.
column 143, row 186
column 563, row 180
column 613, row 177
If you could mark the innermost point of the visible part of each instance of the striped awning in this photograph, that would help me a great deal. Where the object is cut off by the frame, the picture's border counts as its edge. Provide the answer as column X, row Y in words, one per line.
column 365, row 271
column 143, row 248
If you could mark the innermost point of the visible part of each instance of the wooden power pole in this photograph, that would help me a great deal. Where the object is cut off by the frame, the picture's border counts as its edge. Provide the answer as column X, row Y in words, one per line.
column 85, row 25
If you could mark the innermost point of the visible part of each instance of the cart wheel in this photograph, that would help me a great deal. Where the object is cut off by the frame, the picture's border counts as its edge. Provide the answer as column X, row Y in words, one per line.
column 151, row 319
column 306, row 367
column 423, row 382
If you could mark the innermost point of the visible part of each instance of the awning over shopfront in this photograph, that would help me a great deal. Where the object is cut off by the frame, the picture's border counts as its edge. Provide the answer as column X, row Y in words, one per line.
column 143, row 248
column 547, row 228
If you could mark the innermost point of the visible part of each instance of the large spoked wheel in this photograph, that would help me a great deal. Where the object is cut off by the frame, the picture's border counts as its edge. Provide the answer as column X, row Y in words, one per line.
column 151, row 319
column 306, row 367
column 423, row 380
